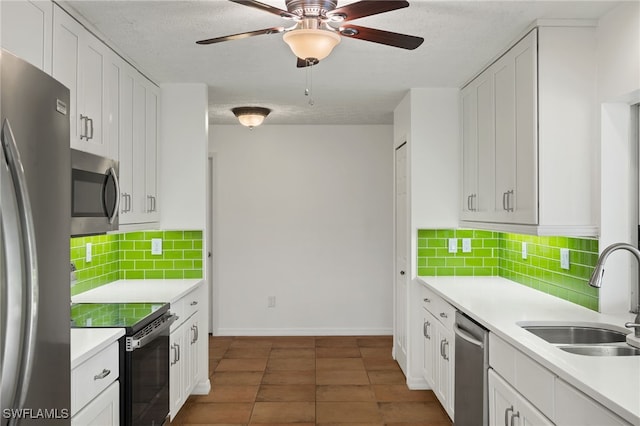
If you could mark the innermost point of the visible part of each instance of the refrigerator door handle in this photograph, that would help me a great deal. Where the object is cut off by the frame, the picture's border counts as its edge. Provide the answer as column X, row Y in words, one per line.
column 16, row 169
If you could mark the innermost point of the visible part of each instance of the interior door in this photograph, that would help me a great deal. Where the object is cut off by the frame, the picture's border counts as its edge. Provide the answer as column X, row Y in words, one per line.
column 401, row 250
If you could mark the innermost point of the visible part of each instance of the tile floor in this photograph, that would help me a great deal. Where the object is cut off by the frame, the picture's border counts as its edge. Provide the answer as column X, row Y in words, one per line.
column 306, row 381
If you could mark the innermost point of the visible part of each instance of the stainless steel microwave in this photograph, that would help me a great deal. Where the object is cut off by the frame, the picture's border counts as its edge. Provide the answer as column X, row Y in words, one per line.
column 95, row 194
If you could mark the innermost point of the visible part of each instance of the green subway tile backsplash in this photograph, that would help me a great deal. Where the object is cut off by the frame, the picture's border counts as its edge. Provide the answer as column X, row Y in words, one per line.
column 128, row 256
column 500, row 254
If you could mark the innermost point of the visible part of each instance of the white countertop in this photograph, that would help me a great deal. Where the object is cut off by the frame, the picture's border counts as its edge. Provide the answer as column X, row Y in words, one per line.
column 86, row 342
column 123, row 291
column 499, row 304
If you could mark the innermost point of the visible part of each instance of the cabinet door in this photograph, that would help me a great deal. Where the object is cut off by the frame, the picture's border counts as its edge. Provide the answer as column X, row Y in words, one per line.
column 515, row 134
column 430, row 354
column 27, row 30
column 502, row 401
column 66, row 63
column 151, row 150
column 103, row 410
column 469, row 151
column 125, row 142
column 194, row 367
column 138, row 195
column 445, row 368
column 93, row 57
column 176, row 391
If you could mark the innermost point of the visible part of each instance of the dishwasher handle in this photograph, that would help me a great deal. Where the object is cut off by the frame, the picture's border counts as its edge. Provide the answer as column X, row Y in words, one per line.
column 463, row 334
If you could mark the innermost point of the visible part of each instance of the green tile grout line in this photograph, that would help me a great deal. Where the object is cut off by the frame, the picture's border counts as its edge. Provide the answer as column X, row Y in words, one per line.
column 500, row 254
column 128, row 256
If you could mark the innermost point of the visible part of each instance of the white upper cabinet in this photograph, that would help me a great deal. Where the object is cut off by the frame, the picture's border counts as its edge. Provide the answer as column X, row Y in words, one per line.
column 80, row 63
column 27, row 30
column 528, row 135
column 139, row 100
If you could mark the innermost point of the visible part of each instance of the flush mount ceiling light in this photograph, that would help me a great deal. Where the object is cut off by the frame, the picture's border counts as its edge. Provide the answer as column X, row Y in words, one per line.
column 251, row 116
column 313, row 44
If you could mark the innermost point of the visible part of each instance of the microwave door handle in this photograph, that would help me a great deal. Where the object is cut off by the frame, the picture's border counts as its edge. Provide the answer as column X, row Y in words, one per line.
column 30, row 265
column 114, row 175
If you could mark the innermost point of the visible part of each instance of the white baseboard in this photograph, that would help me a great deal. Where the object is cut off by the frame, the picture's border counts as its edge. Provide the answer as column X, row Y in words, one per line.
column 303, row 332
column 202, row 388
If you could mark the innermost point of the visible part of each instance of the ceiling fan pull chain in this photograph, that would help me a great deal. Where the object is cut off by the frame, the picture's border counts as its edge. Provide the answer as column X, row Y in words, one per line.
column 308, row 91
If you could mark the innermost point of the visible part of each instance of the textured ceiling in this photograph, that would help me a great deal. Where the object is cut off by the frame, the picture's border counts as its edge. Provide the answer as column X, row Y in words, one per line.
column 359, row 83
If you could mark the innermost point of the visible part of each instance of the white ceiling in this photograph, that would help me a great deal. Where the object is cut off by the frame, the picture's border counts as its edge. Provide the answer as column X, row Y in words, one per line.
column 359, row 83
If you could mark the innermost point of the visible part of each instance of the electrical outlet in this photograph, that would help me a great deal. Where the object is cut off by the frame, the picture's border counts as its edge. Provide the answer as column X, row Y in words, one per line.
column 453, row 245
column 87, row 256
column 564, row 258
column 271, row 302
column 466, row 245
column 156, row 246
column 524, row 250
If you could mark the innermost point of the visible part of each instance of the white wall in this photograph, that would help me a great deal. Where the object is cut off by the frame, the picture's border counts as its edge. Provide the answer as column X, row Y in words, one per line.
column 184, row 140
column 618, row 37
column 304, row 213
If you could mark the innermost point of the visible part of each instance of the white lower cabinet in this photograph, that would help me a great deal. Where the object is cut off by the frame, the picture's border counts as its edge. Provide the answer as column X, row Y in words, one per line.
column 95, row 390
column 184, row 355
column 508, row 408
column 439, row 349
column 102, row 411
column 575, row 408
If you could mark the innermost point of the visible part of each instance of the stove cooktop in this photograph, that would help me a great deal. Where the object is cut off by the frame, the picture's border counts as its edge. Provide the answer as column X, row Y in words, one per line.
column 131, row 316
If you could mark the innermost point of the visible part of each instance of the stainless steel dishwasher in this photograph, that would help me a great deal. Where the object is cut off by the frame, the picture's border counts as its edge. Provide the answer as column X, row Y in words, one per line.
column 471, row 368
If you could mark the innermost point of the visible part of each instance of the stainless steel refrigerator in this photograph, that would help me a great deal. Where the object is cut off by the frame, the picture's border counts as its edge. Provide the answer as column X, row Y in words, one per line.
column 35, row 203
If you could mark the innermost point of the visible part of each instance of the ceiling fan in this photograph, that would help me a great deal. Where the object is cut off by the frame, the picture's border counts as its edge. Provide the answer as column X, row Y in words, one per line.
column 319, row 25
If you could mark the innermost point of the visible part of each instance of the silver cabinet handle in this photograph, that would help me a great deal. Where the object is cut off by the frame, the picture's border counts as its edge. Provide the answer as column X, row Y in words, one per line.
column 509, row 203
column 194, row 303
column 90, row 120
column 427, row 300
column 442, row 347
column 473, row 203
column 104, row 373
column 175, row 354
column 504, row 201
column 197, row 332
column 116, row 208
column 83, row 120
column 506, row 415
column 469, row 202
column 153, row 198
column 443, row 315
column 445, row 353
column 513, row 417
column 425, row 329
column 11, row 157
column 128, row 203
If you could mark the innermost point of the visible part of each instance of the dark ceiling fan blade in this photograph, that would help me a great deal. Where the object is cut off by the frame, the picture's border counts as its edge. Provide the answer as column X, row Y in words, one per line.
column 367, row 8
column 273, row 30
column 383, row 37
column 303, row 63
column 267, row 8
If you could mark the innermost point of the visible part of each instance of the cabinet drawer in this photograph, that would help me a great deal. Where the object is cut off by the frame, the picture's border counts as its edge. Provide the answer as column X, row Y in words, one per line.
column 187, row 306
column 93, row 376
column 576, row 408
column 439, row 308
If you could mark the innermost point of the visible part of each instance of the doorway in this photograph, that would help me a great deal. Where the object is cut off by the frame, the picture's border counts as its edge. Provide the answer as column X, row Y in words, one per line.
column 401, row 264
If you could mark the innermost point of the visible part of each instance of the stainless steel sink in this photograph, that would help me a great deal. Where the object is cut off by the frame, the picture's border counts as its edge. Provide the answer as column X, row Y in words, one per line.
column 563, row 334
column 584, row 339
column 619, row 349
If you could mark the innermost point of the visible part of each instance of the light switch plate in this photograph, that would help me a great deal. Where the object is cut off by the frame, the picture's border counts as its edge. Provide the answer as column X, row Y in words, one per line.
column 156, row 246
column 88, row 254
column 564, row 258
column 466, row 245
column 524, row 250
column 453, row 245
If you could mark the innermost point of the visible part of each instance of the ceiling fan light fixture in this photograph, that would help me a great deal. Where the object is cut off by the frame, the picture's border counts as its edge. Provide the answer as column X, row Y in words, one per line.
column 251, row 116
column 311, row 43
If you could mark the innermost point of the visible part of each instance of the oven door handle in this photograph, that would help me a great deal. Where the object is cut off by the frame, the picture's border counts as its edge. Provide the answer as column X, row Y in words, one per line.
column 133, row 343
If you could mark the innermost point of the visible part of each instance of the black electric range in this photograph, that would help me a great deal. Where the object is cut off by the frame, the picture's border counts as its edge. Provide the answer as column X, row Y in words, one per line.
column 144, row 355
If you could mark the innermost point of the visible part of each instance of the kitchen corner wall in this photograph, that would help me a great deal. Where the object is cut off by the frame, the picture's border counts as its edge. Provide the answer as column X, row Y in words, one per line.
column 128, row 256
column 500, row 254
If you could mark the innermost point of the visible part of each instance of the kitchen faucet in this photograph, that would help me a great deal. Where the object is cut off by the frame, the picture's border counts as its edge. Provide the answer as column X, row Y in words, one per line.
column 598, row 272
